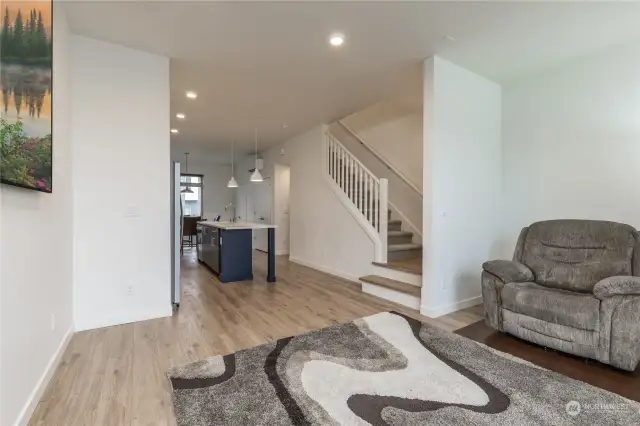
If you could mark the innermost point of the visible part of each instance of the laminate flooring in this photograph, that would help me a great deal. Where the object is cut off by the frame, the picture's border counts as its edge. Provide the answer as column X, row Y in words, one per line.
column 117, row 375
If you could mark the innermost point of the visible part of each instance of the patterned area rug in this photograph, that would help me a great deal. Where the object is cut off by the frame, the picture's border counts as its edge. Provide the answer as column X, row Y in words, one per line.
column 386, row 369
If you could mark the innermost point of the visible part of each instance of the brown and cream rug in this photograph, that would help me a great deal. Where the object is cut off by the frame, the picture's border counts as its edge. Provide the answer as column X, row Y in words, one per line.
column 386, row 369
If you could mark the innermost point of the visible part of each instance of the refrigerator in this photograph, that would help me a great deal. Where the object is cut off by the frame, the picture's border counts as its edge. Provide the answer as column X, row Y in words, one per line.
column 177, row 218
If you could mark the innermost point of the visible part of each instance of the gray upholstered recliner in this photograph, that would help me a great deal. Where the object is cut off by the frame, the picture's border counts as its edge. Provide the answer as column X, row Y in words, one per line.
column 572, row 285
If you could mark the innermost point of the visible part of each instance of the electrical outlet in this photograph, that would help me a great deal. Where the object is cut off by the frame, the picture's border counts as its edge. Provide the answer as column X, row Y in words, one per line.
column 53, row 322
column 443, row 285
column 130, row 290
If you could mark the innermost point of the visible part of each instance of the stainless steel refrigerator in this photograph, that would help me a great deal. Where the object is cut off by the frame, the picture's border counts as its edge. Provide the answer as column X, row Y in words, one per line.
column 176, row 233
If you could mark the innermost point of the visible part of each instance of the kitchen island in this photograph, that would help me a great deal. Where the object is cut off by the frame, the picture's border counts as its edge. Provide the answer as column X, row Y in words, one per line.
column 227, row 248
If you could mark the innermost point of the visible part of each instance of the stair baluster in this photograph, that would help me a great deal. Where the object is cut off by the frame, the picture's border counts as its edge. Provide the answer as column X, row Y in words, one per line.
column 365, row 192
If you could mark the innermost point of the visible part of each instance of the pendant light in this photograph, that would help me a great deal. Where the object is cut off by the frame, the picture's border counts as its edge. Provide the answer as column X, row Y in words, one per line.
column 232, row 182
column 256, row 176
column 187, row 189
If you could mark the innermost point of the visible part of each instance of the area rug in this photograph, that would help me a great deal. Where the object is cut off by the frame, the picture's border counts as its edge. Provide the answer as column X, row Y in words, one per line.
column 386, row 369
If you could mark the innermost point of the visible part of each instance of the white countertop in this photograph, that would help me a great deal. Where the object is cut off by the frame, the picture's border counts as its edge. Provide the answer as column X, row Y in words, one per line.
column 236, row 225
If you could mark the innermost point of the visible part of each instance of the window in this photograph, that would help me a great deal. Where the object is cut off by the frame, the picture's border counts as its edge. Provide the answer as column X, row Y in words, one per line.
column 192, row 200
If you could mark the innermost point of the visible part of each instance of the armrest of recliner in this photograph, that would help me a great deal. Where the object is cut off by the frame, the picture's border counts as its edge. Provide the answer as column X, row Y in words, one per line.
column 508, row 270
column 617, row 285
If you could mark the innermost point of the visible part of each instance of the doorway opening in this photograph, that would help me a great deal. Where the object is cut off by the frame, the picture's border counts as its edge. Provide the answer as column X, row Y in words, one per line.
column 281, row 207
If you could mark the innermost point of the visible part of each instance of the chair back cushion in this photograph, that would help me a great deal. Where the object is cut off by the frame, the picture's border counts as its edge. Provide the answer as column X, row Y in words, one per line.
column 576, row 254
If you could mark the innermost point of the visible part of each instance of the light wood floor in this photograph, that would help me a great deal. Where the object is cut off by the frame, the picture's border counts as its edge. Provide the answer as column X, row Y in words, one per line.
column 116, row 375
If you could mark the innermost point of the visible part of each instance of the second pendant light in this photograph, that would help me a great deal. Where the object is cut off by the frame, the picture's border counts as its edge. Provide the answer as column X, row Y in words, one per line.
column 232, row 182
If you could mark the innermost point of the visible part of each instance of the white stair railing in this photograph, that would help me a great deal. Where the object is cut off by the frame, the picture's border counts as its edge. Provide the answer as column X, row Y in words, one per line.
column 366, row 196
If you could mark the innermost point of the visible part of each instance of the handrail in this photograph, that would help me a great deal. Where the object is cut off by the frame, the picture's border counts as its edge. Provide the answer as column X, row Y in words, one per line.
column 381, row 158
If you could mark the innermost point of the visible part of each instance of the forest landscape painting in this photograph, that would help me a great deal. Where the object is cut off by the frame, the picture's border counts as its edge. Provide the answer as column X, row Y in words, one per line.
column 26, row 82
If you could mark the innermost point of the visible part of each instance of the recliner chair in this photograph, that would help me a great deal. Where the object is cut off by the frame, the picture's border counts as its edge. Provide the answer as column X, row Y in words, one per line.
column 574, row 286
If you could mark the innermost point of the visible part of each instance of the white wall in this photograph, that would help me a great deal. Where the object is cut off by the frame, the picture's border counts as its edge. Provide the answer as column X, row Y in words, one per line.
column 462, row 183
column 36, row 262
column 322, row 232
column 120, row 109
column 394, row 129
column 571, row 140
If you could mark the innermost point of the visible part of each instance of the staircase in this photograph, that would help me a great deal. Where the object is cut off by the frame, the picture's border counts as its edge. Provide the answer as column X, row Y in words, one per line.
column 396, row 271
column 400, row 244
column 399, row 279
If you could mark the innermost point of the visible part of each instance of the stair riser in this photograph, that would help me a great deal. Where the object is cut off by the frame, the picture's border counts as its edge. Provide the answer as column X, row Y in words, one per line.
column 401, row 239
column 403, row 255
column 395, row 227
column 403, row 299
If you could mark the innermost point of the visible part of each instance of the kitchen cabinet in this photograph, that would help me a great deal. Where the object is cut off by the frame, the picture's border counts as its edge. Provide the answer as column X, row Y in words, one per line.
column 228, row 252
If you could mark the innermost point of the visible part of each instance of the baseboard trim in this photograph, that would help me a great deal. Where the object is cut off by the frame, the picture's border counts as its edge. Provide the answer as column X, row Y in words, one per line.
column 325, row 269
column 125, row 319
column 41, row 386
column 438, row 311
column 281, row 252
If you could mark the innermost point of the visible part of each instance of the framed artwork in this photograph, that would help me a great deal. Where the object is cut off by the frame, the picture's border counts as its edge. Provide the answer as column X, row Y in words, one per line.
column 26, row 84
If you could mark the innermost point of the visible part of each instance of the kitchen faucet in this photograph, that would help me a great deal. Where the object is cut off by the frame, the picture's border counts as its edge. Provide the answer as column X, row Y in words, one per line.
column 233, row 206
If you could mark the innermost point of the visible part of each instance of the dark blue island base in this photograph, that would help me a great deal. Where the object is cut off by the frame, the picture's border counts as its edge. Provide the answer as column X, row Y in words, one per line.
column 236, row 251
column 229, row 252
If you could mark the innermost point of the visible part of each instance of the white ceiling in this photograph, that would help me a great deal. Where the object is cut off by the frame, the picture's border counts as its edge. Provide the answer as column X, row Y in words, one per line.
column 269, row 63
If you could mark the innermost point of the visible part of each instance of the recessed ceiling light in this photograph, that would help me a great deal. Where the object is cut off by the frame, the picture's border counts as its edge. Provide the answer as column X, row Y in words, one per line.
column 336, row 39
column 180, row 115
column 174, row 130
column 191, row 94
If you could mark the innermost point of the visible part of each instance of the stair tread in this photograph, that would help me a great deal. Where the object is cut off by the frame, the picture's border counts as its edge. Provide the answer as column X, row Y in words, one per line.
column 392, row 284
column 402, row 247
column 395, row 222
column 399, row 233
column 412, row 266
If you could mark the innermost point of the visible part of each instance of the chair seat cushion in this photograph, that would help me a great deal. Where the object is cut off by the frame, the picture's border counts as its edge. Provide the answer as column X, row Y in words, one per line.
column 555, row 306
